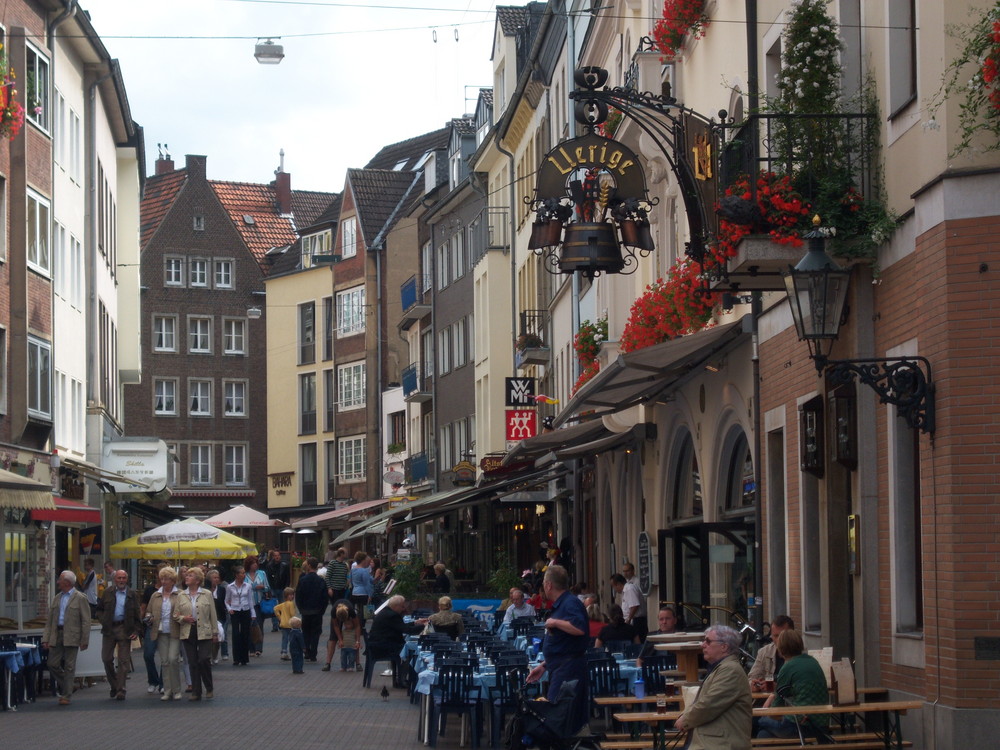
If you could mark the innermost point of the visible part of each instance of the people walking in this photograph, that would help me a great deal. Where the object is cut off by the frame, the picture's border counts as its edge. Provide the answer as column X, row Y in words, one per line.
column 239, row 604
column 67, row 632
column 199, row 629
column 121, row 623
column 164, row 632
column 311, row 600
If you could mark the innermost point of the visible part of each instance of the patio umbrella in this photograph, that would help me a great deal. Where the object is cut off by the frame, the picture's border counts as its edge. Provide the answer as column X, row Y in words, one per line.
column 179, row 530
column 225, row 546
column 242, row 516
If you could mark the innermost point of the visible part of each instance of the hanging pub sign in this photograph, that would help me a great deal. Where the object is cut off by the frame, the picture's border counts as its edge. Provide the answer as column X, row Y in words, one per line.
column 521, row 424
column 465, row 474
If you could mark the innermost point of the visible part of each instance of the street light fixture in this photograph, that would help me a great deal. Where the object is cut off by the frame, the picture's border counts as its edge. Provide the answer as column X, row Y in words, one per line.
column 817, row 291
column 269, row 53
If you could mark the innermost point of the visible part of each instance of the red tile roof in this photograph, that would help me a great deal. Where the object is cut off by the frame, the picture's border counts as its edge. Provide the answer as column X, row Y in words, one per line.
column 157, row 198
column 254, row 213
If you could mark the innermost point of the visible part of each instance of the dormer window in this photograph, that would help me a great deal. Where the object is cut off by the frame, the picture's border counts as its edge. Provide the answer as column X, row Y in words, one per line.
column 248, row 220
column 400, row 165
column 198, row 223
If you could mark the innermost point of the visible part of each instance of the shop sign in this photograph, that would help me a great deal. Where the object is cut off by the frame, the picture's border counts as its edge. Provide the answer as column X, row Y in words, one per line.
column 521, row 424
column 519, row 391
column 465, row 474
column 141, row 459
column 644, row 563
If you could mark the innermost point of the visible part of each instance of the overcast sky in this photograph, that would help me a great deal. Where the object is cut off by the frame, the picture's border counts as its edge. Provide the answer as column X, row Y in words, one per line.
column 356, row 76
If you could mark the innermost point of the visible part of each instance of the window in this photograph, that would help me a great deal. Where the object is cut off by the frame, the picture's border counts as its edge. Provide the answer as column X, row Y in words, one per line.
column 351, row 379
column 902, row 48
column 39, row 378
column 38, row 232
column 776, row 521
column 427, row 267
column 172, row 452
column 198, row 272
column 307, row 333
column 201, row 398
column 348, row 238
column 164, row 333
column 444, row 351
column 443, row 265
column 307, row 404
column 307, row 473
column 234, row 398
column 198, row 223
column 327, row 328
column 329, row 399
column 235, row 464
column 75, row 147
column 907, row 566
column 738, row 481
column 457, row 255
column 460, row 353
column 201, row 464
column 233, row 336
column 36, row 100
column 223, row 274
column 397, row 429
column 351, row 459
column 351, row 311
column 687, row 480
column 165, row 397
column 444, row 442
column 173, row 272
column 200, row 335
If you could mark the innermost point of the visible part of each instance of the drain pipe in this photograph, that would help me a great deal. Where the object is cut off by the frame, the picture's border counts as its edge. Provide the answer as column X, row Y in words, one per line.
column 513, row 256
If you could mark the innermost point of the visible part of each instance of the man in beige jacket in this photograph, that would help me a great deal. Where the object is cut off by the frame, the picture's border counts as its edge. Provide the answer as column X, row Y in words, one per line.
column 67, row 632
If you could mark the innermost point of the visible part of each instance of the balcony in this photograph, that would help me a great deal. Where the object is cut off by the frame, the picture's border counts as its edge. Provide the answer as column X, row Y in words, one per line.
column 417, row 468
column 415, row 295
column 489, row 231
column 417, row 383
column 533, row 340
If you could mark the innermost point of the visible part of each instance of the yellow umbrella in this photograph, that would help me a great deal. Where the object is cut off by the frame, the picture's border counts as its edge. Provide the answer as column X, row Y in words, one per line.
column 225, row 546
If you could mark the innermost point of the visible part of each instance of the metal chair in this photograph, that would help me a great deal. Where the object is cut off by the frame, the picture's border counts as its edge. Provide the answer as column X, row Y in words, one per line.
column 456, row 693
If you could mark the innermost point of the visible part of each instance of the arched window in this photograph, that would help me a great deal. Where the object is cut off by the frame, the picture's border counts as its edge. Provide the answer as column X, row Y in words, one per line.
column 687, row 480
column 738, row 483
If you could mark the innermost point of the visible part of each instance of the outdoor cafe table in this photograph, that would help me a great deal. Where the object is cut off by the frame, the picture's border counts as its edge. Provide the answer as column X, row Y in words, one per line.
column 14, row 662
column 687, row 653
column 890, row 734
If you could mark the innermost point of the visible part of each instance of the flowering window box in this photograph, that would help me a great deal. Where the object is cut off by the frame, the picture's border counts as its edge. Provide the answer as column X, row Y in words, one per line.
column 534, row 355
column 758, row 264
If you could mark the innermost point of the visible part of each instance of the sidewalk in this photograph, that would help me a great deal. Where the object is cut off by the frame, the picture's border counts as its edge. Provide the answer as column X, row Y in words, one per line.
column 262, row 705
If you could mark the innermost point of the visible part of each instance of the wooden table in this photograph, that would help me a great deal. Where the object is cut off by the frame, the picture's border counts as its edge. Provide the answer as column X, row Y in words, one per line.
column 687, row 653
column 674, row 637
column 890, row 735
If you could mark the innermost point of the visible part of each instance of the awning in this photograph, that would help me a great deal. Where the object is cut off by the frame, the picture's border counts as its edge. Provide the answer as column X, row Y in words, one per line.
column 69, row 511
column 550, row 441
column 400, row 511
column 644, row 375
column 93, row 471
column 330, row 515
column 633, row 436
column 148, row 512
column 23, row 493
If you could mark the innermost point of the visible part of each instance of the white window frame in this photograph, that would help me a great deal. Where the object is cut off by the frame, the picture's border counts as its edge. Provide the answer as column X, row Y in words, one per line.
column 444, row 351
column 234, row 392
column 37, row 67
column 164, row 333
column 351, row 386
column 351, row 311
column 459, row 350
column 198, row 223
column 39, row 378
column 165, row 390
column 348, row 237
column 203, row 453
column 39, row 232
column 234, row 336
column 457, row 251
column 198, row 273
column 443, row 266
column 197, row 320
column 222, row 273
column 234, row 465
column 199, row 397
column 173, row 271
column 351, row 459
column 427, row 268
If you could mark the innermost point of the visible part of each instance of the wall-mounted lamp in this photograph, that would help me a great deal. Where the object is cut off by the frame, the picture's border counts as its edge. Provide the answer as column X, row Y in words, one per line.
column 817, row 292
column 269, row 53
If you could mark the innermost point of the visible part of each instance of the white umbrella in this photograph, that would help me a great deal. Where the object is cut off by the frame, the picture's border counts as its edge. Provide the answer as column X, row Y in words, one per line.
column 242, row 516
column 180, row 530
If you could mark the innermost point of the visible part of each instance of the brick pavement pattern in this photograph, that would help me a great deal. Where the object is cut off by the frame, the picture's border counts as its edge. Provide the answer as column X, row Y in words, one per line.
column 263, row 705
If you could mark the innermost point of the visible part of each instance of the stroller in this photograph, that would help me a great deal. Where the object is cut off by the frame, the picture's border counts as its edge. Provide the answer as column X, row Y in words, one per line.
column 546, row 725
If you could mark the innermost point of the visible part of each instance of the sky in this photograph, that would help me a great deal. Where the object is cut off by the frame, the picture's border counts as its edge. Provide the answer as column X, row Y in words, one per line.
column 356, row 76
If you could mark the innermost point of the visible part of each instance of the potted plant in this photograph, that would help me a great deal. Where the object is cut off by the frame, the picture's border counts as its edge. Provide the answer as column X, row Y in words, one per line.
column 395, row 448
column 11, row 110
column 529, row 341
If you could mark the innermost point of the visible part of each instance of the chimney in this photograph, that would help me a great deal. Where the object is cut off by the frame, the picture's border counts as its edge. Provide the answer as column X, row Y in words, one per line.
column 164, row 161
column 195, row 166
column 283, row 192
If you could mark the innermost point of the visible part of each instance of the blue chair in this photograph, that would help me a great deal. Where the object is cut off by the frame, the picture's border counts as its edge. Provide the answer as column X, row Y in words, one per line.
column 455, row 693
column 504, row 696
column 652, row 667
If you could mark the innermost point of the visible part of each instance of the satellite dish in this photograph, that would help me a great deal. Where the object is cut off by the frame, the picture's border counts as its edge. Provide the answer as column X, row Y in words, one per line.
column 393, row 477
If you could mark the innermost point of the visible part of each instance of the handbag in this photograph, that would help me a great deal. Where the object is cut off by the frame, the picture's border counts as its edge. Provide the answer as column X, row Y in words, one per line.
column 267, row 606
column 256, row 635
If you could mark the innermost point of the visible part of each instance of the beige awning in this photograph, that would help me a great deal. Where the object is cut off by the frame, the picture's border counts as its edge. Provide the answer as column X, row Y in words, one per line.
column 332, row 515
column 27, row 494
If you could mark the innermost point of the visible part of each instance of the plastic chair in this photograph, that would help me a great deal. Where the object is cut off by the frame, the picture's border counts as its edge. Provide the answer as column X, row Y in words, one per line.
column 456, row 693
column 521, row 625
column 616, row 647
column 372, row 657
column 651, row 669
column 603, row 680
column 633, row 650
column 504, row 696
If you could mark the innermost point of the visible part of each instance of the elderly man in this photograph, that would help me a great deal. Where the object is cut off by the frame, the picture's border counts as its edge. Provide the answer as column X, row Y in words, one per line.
column 768, row 662
column 67, row 632
column 667, row 620
column 121, row 623
column 518, row 606
column 720, row 718
column 565, row 645
column 388, row 634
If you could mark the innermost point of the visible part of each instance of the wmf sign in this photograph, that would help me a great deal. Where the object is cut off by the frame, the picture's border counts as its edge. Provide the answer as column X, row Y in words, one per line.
column 520, row 392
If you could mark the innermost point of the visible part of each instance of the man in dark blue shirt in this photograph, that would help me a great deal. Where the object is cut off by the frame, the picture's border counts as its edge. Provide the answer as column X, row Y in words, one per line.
column 566, row 641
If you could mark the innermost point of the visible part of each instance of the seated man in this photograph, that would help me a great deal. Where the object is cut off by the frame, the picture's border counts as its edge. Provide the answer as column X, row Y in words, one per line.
column 667, row 622
column 801, row 682
column 388, row 634
column 518, row 606
column 768, row 662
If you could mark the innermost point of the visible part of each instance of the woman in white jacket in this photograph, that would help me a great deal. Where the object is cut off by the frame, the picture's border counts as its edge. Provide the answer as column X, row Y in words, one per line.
column 166, row 632
column 199, row 629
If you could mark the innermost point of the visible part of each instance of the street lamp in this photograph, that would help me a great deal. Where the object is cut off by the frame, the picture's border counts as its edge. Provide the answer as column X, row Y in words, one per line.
column 268, row 53
column 817, row 291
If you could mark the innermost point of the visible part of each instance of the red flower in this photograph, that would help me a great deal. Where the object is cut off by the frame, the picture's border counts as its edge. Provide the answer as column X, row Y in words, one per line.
column 680, row 18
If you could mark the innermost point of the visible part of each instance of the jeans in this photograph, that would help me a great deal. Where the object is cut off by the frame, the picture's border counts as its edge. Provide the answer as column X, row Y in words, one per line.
column 284, row 640
column 348, row 658
column 779, row 728
column 153, row 676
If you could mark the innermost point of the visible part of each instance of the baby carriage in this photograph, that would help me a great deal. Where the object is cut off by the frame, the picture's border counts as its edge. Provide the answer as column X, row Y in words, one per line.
column 546, row 725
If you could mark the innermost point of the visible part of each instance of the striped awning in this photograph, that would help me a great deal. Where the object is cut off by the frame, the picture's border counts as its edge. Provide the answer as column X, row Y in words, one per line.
column 23, row 493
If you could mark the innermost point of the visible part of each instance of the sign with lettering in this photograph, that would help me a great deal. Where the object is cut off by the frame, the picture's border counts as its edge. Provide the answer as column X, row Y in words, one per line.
column 644, row 563
column 590, row 152
column 143, row 460
column 520, row 391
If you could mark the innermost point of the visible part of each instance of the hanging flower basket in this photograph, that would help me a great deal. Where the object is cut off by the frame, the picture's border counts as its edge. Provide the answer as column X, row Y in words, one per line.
column 11, row 110
column 681, row 18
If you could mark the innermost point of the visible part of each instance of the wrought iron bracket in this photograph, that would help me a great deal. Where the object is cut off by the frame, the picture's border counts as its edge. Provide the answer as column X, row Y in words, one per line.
column 903, row 382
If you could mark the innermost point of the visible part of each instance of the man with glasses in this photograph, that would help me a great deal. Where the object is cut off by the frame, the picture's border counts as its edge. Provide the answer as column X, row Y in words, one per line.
column 768, row 662
column 721, row 716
